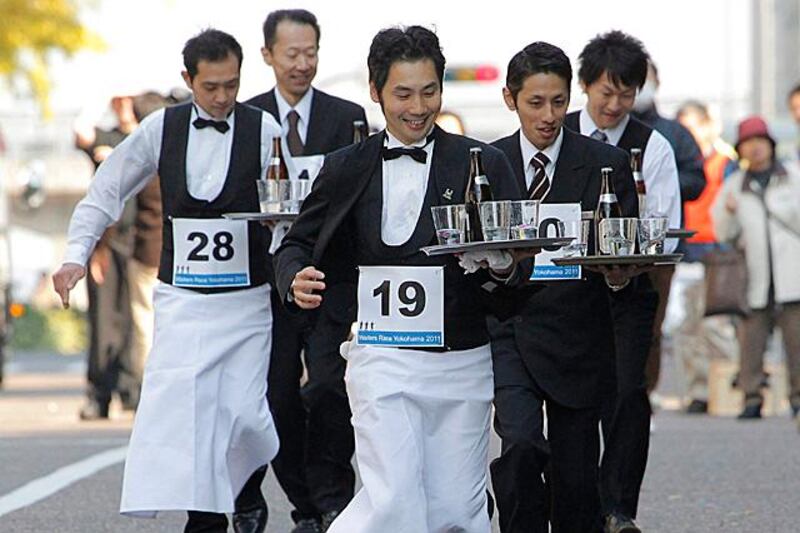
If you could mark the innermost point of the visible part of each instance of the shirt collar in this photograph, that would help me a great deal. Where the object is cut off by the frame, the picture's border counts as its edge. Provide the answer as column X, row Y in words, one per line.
column 303, row 107
column 614, row 134
column 393, row 142
column 198, row 111
column 529, row 150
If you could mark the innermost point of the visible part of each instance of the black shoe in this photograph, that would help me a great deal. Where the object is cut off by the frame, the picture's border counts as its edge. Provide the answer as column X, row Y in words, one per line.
column 750, row 412
column 252, row 520
column 328, row 518
column 618, row 523
column 795, row 410
column 697, row 407
column 94, row 410
column 307, row 525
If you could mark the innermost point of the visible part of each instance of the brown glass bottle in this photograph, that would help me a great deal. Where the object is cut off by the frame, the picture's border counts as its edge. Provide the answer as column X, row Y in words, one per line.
column 607, row 207
column 638, row 180
column 478, row 190
column 276, row 170
column 359, row 131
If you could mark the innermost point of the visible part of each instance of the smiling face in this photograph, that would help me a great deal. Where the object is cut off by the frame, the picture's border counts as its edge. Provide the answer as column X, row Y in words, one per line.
column 411, row 98
column 608, row 103
column 541, row 105
column 215, row 85
column 293, row 58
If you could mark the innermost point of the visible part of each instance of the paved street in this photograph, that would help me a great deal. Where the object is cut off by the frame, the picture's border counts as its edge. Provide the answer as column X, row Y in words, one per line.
column 60, row 475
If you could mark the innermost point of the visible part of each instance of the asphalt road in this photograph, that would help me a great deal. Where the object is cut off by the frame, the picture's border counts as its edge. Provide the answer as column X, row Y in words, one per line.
column 60, row 475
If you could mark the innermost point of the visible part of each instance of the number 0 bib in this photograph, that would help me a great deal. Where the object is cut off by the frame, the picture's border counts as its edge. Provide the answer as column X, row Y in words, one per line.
column 210, row 253
column 401, row 306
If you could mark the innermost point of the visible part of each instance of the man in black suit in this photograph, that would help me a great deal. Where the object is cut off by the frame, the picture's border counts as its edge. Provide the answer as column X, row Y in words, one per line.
column 421, row 416
column 613, row 68
column 552, row 349
column 313, row 465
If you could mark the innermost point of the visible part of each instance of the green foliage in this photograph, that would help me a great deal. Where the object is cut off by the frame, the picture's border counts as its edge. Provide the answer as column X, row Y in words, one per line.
column 60, row 330
column 32, row 29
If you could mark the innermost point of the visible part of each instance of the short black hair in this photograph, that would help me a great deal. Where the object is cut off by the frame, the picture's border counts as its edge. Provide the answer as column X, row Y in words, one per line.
column 621, row 55
column 146, row 103
column 209, row 45
column 391, row 45
column 795, row 90
column 299, row 16
column 693, row 106
column 537, row 58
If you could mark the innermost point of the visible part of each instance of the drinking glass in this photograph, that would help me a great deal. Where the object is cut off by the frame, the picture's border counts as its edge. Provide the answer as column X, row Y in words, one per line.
column 524, row 219
column 495, row 220
column 652, row 232
column 579, row 229
column 617, row 236
column 272, row 195
column 450, row 222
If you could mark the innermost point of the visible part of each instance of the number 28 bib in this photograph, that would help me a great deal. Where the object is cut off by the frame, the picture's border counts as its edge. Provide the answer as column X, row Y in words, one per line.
column 401, row 306
column 210, row 253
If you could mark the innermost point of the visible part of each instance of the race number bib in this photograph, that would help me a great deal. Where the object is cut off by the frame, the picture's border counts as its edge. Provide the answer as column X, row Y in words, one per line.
column 210, row 253
column 557, row 220
column 401, row 306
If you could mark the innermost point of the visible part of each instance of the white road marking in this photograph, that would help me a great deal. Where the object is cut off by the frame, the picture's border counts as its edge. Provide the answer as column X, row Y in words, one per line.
column 45, row 486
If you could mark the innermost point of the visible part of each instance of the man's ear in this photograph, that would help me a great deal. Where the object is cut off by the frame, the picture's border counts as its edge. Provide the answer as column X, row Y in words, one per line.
column 266, row 54
column 509, row 99
column 373, row 93
column 187, row 79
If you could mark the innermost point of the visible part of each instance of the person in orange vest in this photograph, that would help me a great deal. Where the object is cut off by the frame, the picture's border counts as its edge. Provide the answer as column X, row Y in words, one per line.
column 699, row 339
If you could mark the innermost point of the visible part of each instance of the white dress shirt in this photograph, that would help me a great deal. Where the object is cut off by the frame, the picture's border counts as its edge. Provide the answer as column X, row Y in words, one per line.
column 303, row 109
column 659, row 170
column 134, row 162
column 528, row 150
column 405, row 182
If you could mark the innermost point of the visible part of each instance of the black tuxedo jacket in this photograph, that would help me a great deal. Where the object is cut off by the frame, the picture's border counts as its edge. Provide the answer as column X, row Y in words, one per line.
column 330, row 126
column 321, row 235
column 563, row 329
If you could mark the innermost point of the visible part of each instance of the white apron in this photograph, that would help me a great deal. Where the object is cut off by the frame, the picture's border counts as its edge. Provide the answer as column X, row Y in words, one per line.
column 421, row 423
column 203, row 424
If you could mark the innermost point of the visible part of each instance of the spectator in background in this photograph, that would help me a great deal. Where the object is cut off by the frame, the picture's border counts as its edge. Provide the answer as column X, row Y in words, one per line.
column 143, row 265
column 110, row 367
column 791, row 149
column 689, row 161
column 699, row 339
column 758, row 209
column 450, row 122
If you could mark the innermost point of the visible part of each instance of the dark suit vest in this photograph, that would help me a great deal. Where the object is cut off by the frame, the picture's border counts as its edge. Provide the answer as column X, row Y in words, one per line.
column 636, row 134
column 464, row 317
column 238, row 194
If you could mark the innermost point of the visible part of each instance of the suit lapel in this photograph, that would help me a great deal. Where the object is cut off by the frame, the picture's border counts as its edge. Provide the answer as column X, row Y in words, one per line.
column 449, row 170
column 271, row 105
column 319, row 123
column 571, row 175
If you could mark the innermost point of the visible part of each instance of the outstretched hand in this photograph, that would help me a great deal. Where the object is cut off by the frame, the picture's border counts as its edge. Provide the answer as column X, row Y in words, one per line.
column 65, row 278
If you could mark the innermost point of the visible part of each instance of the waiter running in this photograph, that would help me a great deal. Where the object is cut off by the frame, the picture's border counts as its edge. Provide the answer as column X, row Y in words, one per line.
column 203, row 424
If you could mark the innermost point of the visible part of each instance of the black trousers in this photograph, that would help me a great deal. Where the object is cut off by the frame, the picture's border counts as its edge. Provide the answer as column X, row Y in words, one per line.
column 626, row 411
column 249, row 498
column 569, row 456
column 313, row 466
column 110, row 366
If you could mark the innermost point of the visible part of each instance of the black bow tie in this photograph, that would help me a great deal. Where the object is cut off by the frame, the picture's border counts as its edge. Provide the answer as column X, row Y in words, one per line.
column 416, row 153
column 219, row 125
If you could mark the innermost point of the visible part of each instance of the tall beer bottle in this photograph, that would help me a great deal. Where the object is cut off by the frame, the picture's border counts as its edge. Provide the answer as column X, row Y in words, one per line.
column 638, row 180
column 607, row 207
column 478, row 190
column 277, row 178
column 359, row 131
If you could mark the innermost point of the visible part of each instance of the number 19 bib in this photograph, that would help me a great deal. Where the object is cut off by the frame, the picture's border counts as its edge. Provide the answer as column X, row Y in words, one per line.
column 401, row 306
column 210, row 253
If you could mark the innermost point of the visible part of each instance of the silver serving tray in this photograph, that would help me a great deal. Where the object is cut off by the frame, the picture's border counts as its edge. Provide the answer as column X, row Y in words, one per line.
column 445, row 249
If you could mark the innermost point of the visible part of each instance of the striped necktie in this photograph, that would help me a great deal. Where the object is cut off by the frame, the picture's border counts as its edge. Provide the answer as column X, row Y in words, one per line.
column 599, row 136
column 540, row 184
